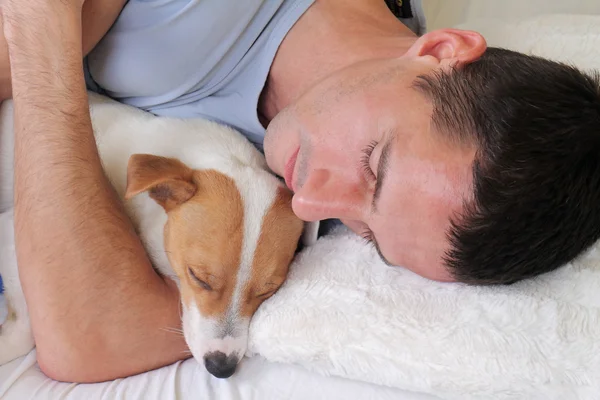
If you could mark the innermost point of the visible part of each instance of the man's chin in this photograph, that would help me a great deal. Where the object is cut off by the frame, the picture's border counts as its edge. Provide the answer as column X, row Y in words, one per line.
column 271, row 163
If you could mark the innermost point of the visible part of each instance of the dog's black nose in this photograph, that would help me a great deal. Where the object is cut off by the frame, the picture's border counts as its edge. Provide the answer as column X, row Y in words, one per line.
column 220, row 365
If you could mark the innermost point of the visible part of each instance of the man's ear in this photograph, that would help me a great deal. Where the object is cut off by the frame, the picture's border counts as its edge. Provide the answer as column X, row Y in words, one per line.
column 168, row 180
column 449, row 46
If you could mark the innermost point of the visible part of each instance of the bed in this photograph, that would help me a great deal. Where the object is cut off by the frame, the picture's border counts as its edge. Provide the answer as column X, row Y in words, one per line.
column 257, row 379
column 345, row 326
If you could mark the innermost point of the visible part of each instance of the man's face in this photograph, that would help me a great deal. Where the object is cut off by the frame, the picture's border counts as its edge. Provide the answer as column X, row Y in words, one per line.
column 359, row 146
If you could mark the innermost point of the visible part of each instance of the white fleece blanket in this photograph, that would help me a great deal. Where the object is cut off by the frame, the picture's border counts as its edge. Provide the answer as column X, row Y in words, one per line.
column 342, row 312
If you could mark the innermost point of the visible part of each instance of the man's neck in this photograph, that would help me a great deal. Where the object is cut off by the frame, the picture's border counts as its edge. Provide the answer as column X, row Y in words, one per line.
column 331, row 35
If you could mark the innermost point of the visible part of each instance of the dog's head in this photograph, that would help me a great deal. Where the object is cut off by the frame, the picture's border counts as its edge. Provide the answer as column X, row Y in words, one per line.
column 230, row 239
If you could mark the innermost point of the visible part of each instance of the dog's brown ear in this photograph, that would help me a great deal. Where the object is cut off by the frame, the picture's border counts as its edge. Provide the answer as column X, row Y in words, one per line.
column 168, row 181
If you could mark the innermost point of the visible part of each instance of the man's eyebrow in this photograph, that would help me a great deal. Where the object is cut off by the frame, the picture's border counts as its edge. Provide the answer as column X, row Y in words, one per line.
column 382, row 169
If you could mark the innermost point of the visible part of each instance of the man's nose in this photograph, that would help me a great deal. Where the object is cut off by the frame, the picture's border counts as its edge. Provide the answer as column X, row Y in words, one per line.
column 329, row 194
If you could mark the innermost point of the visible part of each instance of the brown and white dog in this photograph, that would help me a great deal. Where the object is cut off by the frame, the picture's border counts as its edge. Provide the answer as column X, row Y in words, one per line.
column 210, row 215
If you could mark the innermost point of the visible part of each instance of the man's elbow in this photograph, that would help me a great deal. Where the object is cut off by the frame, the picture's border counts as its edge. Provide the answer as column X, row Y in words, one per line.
column 58, row 369
column 76, row 363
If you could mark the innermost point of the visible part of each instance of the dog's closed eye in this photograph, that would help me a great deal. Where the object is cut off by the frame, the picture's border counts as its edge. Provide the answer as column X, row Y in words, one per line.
column 271, row 289
column 266, row 295
column 198, row 281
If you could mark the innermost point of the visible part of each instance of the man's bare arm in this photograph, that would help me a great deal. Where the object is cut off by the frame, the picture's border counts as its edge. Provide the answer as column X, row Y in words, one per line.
column 97, row 18
column 96, row 305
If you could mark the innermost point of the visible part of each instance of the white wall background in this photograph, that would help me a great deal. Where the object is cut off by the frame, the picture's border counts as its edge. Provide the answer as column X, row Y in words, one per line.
column 447, row 13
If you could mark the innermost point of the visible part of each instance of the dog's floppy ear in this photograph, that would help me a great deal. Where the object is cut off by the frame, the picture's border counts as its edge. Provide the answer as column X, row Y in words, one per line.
column 168, row 180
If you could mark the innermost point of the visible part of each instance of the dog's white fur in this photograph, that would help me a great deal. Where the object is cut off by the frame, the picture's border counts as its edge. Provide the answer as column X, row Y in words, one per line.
column 120, row 132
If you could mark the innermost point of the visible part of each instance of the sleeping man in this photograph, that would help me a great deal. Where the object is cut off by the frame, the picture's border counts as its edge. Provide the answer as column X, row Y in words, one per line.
column 457, row 161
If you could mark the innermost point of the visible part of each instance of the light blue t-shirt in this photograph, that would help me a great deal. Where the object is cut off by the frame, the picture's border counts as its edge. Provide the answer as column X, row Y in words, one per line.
column 198, row 58
column 194, row 58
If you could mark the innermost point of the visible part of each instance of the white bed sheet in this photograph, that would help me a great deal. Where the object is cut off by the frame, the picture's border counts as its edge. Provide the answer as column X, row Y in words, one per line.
column 256, row 379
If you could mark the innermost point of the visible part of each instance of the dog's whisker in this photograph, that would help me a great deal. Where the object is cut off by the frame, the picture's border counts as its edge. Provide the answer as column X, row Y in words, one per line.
column 176, row 331
column 171, row 328
column 173, row 331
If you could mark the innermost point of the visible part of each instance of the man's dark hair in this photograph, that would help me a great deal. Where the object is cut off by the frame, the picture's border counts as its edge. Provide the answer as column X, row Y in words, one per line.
column 535, row 125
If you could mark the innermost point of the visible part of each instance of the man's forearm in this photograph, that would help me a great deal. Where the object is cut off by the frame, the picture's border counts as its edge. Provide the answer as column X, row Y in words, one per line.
column 90, row 288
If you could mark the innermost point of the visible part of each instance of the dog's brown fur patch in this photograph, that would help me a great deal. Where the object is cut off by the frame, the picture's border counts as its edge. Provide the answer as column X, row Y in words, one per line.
column 211, row 246
column 275, row 250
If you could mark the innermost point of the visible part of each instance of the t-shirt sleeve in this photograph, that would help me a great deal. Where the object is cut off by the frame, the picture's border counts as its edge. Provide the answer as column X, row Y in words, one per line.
column 163, row 49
